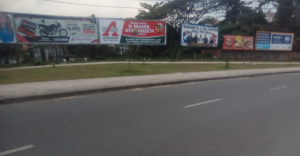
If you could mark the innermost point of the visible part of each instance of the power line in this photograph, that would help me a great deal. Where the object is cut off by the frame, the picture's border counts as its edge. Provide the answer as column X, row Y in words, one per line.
column 134, row 7
column 93, row 5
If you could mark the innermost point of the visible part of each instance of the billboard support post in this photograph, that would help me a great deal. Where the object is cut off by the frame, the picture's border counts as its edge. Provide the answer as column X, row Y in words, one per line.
column 52, row 54
column 245, row 56
column 56, row 52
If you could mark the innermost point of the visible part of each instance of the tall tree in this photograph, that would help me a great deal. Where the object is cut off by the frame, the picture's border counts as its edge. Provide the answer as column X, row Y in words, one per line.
column 175, row 12
column 234, row 8
column 284, row 17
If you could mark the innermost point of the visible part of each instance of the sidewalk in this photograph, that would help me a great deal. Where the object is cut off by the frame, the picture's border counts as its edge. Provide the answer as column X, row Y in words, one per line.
column 52, row 89
column 148, row 62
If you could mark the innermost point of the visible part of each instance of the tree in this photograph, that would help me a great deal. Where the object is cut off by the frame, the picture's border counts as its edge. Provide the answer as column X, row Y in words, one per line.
column 175, row 12
column 246, row 23
column 284, row 17
column 287, row 18
column 209, row 20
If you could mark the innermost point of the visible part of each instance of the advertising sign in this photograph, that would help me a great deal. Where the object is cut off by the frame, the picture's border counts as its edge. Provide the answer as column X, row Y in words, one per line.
column 132, row 32
column 46, row 29
column 197, row 35
column 234, row 42
column 7, row 34
column 274, row 41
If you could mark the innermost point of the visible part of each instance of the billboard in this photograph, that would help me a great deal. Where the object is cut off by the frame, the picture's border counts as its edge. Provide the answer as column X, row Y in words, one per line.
column 56, row 30
column 197, row 35
column 7, row 30
column 235, row 42
column 118, row 31
column 274, row 41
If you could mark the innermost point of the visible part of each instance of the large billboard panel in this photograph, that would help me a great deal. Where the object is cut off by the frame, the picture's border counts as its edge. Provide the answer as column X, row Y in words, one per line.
column 198, row 35
column 235, row 42
column 56, row 30
column 7, row 30
column 113, row 31
column 274, row 41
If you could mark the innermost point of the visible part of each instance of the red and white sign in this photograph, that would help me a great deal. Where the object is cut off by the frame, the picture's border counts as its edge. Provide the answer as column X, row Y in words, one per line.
column 235, row 42
column 131, row 32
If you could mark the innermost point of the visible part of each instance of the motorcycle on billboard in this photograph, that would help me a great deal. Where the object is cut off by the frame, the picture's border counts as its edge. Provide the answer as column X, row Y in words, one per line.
column 52, row 29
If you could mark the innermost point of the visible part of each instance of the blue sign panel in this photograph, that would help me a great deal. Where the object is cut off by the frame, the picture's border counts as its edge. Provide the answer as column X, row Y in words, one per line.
column 281, row 39
column 263, row 41
column 273, row 41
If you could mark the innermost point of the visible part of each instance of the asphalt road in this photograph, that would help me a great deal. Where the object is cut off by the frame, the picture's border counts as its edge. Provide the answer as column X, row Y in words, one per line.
column 257, row 116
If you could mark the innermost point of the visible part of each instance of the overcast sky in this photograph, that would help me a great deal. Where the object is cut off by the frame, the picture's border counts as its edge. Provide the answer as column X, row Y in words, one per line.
column 51, row 8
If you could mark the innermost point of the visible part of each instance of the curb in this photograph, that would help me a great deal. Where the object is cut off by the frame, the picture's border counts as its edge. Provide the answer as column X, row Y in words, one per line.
column 84, row 92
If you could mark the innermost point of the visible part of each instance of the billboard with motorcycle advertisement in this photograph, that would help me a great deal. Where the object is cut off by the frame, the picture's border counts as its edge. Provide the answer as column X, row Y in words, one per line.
column 56, row 30
column 132, row 32
column 7, row 30
column 235, row 42
column 199, row 35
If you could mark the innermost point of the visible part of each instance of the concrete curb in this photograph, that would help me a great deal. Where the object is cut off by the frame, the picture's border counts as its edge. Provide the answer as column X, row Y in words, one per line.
column 76, row 93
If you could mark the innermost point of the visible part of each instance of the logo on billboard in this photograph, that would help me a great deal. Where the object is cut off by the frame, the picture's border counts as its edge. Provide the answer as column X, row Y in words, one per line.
column 159, row 27
column 277, row 37
column 81, row 39
column 111, row 28
column 287, row 39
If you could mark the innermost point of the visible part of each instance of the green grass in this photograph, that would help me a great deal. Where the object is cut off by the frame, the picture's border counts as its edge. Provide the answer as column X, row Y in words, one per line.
column 114, row 70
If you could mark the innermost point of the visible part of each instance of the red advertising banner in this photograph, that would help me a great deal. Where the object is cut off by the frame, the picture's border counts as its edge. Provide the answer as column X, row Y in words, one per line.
column 132, row 32
column 235, row 42
column 144, row 28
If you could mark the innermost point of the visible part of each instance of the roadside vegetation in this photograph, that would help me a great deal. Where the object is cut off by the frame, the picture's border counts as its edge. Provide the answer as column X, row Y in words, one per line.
column 115, row 70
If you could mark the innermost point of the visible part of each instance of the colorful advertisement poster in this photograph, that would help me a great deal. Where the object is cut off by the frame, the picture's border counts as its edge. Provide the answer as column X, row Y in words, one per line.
column 56, row 30
column 7, row 34
column 132, row 32
column 274, row 41
column 198, row 35
column 235, row 42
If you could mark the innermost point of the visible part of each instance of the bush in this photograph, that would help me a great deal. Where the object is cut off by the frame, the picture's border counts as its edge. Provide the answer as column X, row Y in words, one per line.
column 37, row 62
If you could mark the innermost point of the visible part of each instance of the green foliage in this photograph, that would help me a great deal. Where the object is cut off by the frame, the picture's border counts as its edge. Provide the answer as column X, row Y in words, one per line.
column 51, row 58
column 247, row 23
column 172, row 50
column 113, row 70
column 283, row 19
column 176, row 12
column 28, row 57
column 37, row 62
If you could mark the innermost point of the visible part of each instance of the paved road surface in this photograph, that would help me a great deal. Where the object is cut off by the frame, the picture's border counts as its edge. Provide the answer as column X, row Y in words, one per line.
column 257, row 116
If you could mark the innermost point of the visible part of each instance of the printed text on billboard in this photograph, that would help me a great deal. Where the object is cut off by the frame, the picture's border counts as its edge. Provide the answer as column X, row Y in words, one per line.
column 197, row 35
column 132, row 32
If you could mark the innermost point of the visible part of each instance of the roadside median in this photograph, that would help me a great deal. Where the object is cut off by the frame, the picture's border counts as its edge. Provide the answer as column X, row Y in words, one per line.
column 22, row 92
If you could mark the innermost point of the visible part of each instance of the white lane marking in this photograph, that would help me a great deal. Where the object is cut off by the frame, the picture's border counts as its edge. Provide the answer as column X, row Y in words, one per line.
column 202, row 103
column 278, row 88
column 16, row 150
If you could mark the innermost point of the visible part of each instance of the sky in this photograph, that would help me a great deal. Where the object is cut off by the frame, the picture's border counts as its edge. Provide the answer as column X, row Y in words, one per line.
column 59, row 9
